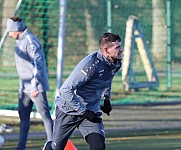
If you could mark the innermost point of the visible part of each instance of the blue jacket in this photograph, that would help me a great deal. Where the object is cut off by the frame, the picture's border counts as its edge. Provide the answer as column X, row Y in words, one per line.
column 30, row 63
column 88, row 82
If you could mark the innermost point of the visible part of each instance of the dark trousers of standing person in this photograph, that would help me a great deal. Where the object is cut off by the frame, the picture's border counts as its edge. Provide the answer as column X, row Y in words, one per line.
column 24, row 109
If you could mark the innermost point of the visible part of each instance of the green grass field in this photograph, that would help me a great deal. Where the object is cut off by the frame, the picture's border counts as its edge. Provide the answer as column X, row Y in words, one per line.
column 119, row 140
column 134, row 140
column 9, row 89
column 127, row 128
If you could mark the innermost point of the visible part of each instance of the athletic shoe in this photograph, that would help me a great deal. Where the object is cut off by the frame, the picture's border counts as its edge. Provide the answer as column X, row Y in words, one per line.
column 47, row 146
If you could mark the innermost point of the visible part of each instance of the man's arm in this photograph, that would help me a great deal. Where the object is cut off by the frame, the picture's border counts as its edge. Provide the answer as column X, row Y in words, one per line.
column 68, row 89
column 107, row 108
column 79, row 76
column 36, row 56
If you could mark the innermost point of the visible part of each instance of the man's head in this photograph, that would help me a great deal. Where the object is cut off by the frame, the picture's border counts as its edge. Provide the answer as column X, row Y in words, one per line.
column 110, row 45
column 15, row 26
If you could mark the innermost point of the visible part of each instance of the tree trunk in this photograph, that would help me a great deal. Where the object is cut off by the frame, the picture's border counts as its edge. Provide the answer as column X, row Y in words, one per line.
column 91, row 41
column 9, row 44
column 159, row 29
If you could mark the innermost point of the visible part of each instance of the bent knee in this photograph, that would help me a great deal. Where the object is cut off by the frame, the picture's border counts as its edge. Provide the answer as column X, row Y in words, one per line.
column 100, row 146
column 96, row 141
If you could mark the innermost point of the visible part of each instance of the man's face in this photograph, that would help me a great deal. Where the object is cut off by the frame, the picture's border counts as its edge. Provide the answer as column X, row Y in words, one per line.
column 14, row 35
column 115, row 52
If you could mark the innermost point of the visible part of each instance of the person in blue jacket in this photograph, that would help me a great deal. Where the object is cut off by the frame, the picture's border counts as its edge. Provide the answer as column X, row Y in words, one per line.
column 33, row 79
column 78, row 104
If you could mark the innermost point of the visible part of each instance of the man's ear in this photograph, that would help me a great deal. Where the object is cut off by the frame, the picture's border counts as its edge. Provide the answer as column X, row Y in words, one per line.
column 106, row 50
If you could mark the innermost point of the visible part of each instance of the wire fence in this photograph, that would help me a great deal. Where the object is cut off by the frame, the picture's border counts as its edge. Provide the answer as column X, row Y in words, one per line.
column 86, row 21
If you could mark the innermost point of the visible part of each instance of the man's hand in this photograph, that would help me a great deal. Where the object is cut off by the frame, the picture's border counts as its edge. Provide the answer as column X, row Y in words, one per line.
column 92, row 117
column 106, row 108
column 34, row 94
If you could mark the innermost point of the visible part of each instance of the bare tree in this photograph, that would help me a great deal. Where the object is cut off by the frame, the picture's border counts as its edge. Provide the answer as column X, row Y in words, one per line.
column 8, row 9
column 91, row 41
column 159, row 28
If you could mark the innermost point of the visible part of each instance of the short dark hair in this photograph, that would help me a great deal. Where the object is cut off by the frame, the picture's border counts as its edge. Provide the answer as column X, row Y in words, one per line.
column 14, row 18
column 108, row 38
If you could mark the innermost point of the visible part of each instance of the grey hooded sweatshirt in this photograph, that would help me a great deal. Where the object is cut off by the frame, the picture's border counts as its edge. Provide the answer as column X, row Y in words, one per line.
column 30, row 63
column 89, row 81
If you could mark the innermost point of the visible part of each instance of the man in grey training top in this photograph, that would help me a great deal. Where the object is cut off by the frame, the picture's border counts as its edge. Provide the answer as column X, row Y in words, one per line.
column 33, row 79
column 79, row 102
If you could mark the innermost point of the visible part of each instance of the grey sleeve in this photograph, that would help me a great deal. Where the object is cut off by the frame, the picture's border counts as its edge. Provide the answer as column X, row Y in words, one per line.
column 107, row 93
column 36, row 56
column 78, row 77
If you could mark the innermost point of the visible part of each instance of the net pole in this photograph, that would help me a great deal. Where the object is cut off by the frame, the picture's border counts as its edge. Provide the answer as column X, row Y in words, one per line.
column 60, row 55
column 6, row 32
column 61, row 43
column 169, row 56
column 109, row 16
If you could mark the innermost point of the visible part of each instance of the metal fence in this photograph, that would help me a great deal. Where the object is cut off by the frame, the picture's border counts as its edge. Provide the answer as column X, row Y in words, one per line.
column 86, row 21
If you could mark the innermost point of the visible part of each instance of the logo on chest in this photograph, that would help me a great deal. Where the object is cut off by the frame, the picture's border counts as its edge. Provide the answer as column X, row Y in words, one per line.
column 101, row 72
column 114, row 71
